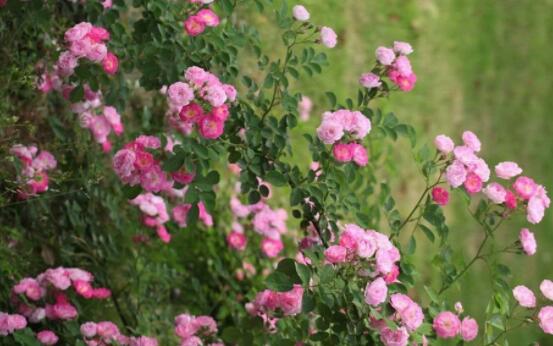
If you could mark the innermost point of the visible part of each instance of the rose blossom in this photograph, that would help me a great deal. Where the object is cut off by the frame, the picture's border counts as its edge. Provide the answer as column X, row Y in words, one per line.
column 446, row 325
column 237, row 240
column 402, row 48
column 507, row 170
column 47, row 337
column 546, row 288
column 110, row 63
column 271, row 247
column 440, row 196
column 398, row 337
column 473, row 183
column 444, row 144
column 370, row 80
column 469, row 329
column 330, row 131
column 385, row 56
column 528, row 241
column 194, row 25
column 471, row 141
column 300, row 13
column 342, row 152
column 328, row 37
column 376, row 292
column 525, row 187
column 495, row 193
column 335, row 254
column 360, row 156
column 208, row 17
column 545, row 318
column 524, row 296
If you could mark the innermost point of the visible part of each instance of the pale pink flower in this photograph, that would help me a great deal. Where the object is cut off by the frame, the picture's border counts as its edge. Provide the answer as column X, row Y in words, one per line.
column 330, row 131
column 360, row 156
column 546, row 288
column 290, row 302
column 535, row 210
column 507, row 170
column 335, row 254
column 376, row 292
column 471, row 141
column 402, row 48
column 385, row 56
column 444, row 144
column 469, row 329
column 328, row 37
column 300, row 13
column 527, row 241
column 412, row 316
column 403, row 66
column 304, row 108
column 524, row 296
column 97, row 52
column 88, row 329
column 456, row 174
column 77, row 32
column 271, row 247
column 446, row 325
column 398, row 337
column 465, row 155
column 495, row 193
column 480, row 168
column 216, row 95
column 47, row 337
column 370, row 80
column 545, row 318
column 180, row 94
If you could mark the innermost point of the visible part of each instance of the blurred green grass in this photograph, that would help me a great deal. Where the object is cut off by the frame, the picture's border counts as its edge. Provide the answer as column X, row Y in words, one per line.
column 483, row 65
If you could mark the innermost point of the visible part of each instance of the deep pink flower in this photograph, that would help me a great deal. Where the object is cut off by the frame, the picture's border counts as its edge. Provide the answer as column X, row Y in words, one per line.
column 110, row 63
column 191, row 112
column 473, row 183
column 403, row 82
column 210, row 127
column 342, row 152
column 194, row 25
column 440, row 196
column 101, row 293
column 208, row 17
column 360, row 156
column 222, row 112
column 83, row 288
column 237, row 240
column 510, row 200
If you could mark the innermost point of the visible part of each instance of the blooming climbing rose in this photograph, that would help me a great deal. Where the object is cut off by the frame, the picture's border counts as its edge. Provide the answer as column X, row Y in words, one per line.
column 527, row 241
column 376, row 292
column 546, row 288
column 446, row 325
column 524, row 296
column 300, row 13
column 545, row 318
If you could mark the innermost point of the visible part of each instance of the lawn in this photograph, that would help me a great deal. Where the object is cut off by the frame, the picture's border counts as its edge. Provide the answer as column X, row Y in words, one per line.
column 482, row 65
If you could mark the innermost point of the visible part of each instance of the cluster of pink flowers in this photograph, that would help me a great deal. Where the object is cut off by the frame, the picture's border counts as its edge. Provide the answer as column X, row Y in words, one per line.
column 448, row 325
column 107, row 333
column 196, row 330
column 267, row 302
column 344, row 129
column 395, row 63
column 467, row 169
column 267, row 222
column 100, row 125
column 407, row 314
column 204, row 17
column 50, row 286
column 357, row 244
column 136, row 164
column 526, row 298
column 33, row 176
column 10, row 323
column 201, row 101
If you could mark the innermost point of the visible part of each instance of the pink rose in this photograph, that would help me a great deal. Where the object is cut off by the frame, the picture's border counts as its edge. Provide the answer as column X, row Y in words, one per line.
column 473, row 183
column 110, row 63
column 444, row 144
column 300, row 13
column 527, row 241
column 446, row 325
column 88, row 329
column 496, row 193
column 403, row 82
column 210, row 127
column 524, row 296
column 194, row 25
column 370, row 80
column 237, row 240
column 180, row 94
column 471, row 141
column 78, row 32
column 360, row 156
column 385, row 56
column 398, row 337
column 546, row 288
column 469, row 329
column 47, row 337
column 525, row 187
column 545, row 318
column 376, row 292
column 335, row 254
column 402, row 48
column 342, row 152
column 271, row 247
column 330, row 131
column 328, row 37
column 208, row 17
column 403, row 66
column 507, row 170
column 440, row 196
column 191, row 112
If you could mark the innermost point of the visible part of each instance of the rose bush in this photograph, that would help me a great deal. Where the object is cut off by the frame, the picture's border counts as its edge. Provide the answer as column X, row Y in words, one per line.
column 254, row 247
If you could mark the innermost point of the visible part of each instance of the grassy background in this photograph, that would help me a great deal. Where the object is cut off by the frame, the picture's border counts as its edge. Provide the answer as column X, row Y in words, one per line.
column 483, row 65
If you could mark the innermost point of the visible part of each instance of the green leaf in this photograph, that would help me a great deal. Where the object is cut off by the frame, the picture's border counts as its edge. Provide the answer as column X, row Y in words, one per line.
column 26, row 337
column 276, row 178
column 308, row 302
column 212, row 178
column 130, row 192
column 303, row 272
column 326, row 273
column 331, row 99
column 432, row 294
column 427, row 232
column 280, row 282
column 77, row 94
column 254, row 197
column 288, row 267
column 173, row 163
